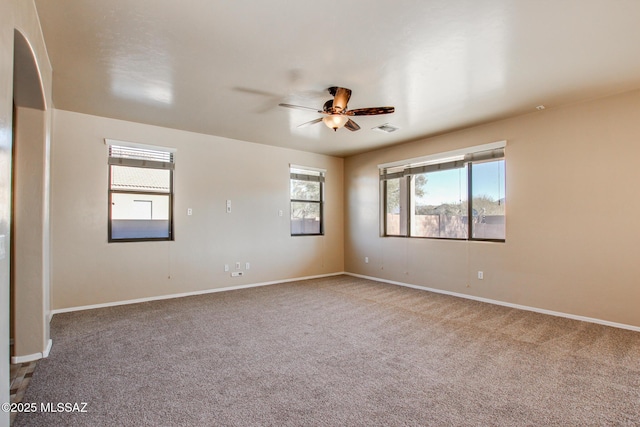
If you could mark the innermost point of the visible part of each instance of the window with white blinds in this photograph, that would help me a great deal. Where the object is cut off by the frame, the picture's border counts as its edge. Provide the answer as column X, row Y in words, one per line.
column 453, row 195
column 306, row 187
column 140, row 192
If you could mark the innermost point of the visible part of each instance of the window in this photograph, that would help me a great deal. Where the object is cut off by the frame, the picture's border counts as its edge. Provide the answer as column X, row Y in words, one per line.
column 439, row 204
column 307, row 198
column 456, row 195
column 140, row 193
column 396, row 224
column 488, row 200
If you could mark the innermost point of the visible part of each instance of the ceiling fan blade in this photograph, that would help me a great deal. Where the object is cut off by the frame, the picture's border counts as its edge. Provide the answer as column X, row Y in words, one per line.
column 351, row 125
column 251, row 91
column 312, row 122
column 300, row 107
column 341, row 97
column 370, row 111
column 268, row 101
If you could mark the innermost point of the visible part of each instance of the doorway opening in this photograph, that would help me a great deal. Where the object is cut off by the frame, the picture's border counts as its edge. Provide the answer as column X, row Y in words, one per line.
column 29, row 224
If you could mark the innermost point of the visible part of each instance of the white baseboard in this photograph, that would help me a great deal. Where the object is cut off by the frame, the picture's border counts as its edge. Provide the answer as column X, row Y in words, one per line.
column 186, row 294
column 31, row 357
column 47, row 350
column 377, row 279
column 502, row 303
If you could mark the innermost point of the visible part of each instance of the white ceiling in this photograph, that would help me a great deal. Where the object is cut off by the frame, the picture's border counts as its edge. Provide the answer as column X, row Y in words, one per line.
column 222, row 67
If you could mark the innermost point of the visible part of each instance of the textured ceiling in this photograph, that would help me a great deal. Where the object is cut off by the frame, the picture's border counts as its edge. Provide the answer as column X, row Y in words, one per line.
column 221, row 68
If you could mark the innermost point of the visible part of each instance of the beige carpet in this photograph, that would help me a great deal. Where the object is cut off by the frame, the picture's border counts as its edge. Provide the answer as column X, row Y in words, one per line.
column 334, row 352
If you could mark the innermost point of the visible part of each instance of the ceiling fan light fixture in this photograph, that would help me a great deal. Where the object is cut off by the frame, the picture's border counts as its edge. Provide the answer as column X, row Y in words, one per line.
column 335, row 121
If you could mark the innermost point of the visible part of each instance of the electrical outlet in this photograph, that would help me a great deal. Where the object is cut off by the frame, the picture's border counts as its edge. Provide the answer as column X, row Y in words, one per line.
column 226, row 267
column 480, row 275
column 366, row 260
column 247, row 266
column 238, row 265
column 189, row 211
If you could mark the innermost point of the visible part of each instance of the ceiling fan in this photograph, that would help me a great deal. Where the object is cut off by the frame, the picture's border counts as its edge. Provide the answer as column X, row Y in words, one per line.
column 335, row 110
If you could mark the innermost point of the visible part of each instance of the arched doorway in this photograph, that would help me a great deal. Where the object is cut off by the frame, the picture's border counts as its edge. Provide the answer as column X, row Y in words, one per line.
column 29, row 235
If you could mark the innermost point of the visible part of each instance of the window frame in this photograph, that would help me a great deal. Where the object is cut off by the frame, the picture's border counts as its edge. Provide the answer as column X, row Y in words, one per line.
column 405, row 171
column 470, row 204
column 411, row 210
column 404, row 203
column 320, row 178
column 113, row 162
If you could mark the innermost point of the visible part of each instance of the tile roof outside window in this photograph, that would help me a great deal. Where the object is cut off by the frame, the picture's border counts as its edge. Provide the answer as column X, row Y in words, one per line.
column 140, row 179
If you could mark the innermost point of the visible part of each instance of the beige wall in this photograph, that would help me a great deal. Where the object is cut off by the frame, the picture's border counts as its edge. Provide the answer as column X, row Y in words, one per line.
column 572, row 225
column 30, row 223
column 209, row 170
column 20, row 15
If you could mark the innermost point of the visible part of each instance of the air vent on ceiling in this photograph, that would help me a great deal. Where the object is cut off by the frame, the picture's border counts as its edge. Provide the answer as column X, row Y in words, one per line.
column 386, row 128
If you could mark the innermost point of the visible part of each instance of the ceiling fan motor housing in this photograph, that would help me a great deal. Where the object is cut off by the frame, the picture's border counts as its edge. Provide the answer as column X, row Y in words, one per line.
column 328, row 106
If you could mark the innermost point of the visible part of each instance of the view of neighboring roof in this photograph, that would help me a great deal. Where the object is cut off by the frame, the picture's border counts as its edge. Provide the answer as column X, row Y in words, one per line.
column 145, row 179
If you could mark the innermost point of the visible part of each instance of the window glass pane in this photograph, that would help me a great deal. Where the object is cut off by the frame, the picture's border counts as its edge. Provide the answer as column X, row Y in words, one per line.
column 439, row 202
column 305, row 218
column 139, row 216
column 488, row 200
column 392, row 208
column 140, row 179
column 305, row 190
